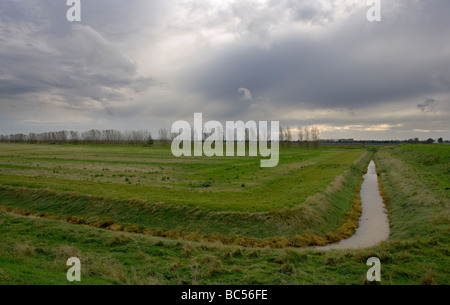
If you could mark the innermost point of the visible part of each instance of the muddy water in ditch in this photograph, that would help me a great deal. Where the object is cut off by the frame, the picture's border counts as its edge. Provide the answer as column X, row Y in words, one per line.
column 373, row 223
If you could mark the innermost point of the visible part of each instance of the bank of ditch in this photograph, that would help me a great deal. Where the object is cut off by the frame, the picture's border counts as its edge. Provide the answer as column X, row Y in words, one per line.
column 323, row 218
column 374, row 223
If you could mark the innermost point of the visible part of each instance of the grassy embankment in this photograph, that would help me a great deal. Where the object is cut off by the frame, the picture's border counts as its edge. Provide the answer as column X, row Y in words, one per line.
column 311, row 198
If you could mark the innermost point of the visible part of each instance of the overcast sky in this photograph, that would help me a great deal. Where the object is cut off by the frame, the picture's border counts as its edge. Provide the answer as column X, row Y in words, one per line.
column 143, row 64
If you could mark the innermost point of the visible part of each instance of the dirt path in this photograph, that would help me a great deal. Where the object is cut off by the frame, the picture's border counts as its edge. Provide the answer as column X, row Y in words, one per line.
column 373, row 223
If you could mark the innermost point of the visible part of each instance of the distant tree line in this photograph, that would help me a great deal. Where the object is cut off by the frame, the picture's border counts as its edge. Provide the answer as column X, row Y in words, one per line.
column 384, row 142
column 94, row 136
column 304, row 136
column 307, row 136
column 301, row 136
column 429, row 141
column 287, row 136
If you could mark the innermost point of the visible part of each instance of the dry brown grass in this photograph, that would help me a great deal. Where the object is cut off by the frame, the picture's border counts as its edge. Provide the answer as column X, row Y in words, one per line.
column 25, row 249
column 3, row 275
column 206, row 266
column 428, row 278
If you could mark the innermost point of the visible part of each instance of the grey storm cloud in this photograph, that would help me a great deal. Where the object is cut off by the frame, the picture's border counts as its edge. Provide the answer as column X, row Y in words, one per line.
column 131, row 63
column 353, row 66
column 43, row 53
column 82, row 64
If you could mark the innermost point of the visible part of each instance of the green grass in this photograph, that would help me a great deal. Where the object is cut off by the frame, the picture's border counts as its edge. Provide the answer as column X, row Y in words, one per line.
column 296, row 198
column 154, row 175
column 434, row 160
column 34, row 250
column 418, row 205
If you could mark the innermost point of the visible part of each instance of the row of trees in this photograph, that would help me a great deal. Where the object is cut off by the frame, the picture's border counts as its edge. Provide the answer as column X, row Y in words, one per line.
column 429, row 141
column 93, row 136
column 287, row 136
column 308, row 136
column 304, row 136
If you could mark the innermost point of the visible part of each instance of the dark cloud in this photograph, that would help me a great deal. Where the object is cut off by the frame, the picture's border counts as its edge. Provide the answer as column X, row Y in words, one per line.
column 429, row 105
column 136, row 63
column 80, row 64
column 353, row 66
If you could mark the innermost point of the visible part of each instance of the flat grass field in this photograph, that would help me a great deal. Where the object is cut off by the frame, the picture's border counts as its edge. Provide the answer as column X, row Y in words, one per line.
column 138, row 215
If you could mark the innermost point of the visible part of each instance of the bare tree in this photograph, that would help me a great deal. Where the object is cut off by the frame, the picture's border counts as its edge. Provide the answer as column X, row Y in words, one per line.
column 111, row 136
column 137, row 136
column 33, row 138
column 306, row 135
column 282, row 139
column 61, row 136
column 288, row 136
column 163, row 136
column 300, row 135
column 315, row 136
column 4, row 138
column 92, row 136
column 75, row 137
column 150, row 141
column 18, row 138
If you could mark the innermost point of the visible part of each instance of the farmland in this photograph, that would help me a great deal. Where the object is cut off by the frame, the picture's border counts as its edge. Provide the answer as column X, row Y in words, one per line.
column 136, row 188
column 139, row 215
column 153, row 174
